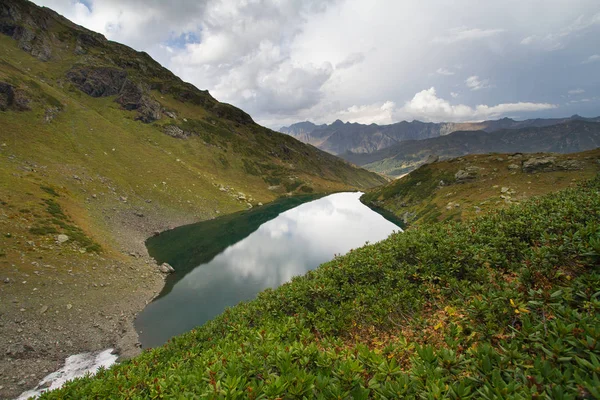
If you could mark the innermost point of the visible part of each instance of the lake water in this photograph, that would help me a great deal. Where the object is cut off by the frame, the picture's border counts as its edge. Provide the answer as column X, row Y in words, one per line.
column 221, row 262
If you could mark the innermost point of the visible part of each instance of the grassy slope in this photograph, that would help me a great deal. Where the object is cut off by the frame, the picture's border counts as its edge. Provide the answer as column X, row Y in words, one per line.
column 420, row 198
column 503, row 306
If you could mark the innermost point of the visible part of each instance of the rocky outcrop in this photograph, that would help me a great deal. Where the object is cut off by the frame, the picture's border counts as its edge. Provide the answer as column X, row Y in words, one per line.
column 98, row 82
column 13, row 24
column 548, row 164
column 176, row 132
column 13, row 98
column 109, row 81
column 135, row 96
column 7, row 96
column 465, row 175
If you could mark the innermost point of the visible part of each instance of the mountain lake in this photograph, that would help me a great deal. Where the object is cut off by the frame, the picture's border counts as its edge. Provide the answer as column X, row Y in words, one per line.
column 226, row 260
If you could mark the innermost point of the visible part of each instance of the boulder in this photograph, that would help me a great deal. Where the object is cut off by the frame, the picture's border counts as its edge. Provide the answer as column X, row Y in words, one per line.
column 7, row 96
column 62, row 238
column 536, row 164
column 513, row 167
column 176, row 132
column 464, row 175
column 569, row 165
column 165, row 268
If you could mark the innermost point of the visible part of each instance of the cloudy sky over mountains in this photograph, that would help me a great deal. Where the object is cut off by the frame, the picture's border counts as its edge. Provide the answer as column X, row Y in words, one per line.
column 382, row 61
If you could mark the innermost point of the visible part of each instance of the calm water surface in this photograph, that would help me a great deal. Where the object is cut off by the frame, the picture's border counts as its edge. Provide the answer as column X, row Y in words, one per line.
column 270, row 248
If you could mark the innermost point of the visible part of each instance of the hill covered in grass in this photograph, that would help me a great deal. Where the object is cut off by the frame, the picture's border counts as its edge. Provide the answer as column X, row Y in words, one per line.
column 100, row 147
column 503, row 306
column 463, row 187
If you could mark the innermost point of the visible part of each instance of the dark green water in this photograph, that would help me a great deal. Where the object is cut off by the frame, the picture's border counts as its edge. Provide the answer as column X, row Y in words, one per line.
column 220, row 262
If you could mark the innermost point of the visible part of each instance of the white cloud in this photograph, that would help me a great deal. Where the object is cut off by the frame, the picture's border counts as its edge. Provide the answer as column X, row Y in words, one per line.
column 288, row 60
column 464, row 33
column 426, row 106
column 592, row 58
column 351, row 60
column 576, row 91
column 557, row 40
column 474, row 83
column 444, row 71
column 368, row 114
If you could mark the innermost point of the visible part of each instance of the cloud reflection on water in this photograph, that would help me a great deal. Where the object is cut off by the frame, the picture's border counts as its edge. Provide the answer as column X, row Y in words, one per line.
column 295, row 242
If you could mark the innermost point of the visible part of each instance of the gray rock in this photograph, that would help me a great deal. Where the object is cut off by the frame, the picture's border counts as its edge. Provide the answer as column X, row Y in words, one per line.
column 62, row 238
column 536, row 164
column 513, row 167
column 504, row 189
column 171, row 114
column 176, row 132
column 6, row 280
column 165, row 268
column 569, row 165
column 464, row 176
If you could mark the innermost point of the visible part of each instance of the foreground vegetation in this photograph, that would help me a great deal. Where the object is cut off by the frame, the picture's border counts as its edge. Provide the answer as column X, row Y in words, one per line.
column 504, row 306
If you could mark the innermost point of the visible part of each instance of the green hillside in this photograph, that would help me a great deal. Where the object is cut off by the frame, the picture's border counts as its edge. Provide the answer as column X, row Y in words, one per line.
column 464, row 187
column 505, row 306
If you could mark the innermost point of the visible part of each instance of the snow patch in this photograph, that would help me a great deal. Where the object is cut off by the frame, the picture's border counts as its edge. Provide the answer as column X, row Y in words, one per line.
column 75, row 366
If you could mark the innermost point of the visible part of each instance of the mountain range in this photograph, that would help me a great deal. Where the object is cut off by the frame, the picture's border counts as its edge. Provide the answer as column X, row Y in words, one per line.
column 399, row 148
column 339, row 137
column 400, row 158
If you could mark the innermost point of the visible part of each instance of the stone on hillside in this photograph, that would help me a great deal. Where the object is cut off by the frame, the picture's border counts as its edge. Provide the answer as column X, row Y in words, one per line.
column 569, row 165
column 7, row 96
column 98, row 82
column 241, row 196
column 464, row 176
column 51, row 113
column 536, row 164
column 135, row 96
column 171, row 114
column 513, row 167
column 6, row 280
column 504, row 189
column 260, row 204
column 165, row 268
column 62, row 238
column 175, row 131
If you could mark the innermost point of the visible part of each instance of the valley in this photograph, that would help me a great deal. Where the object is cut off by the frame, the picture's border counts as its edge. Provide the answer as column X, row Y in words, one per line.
column 150, row 228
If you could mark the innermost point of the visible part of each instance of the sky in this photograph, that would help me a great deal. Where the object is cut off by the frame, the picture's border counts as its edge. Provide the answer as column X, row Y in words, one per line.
column 375, row 61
